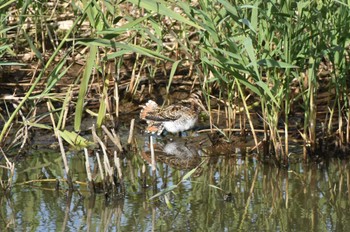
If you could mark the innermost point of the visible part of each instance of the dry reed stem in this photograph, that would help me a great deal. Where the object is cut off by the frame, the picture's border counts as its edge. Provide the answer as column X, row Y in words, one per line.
column 114, row 137
column 131, row 132
column 100, row 167
column 117, row 165
column 153, row 158
column 87, row 165
column 108, row 167
column 66, row 110
column 116, row 97
column 109, row 135
column 97, row 139
column 117, row 140
column 63, row 153
column 133, row 73
column 60, row 142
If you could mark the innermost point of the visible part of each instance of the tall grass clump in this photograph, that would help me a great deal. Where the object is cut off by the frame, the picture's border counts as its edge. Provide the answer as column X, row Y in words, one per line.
column 271, row 53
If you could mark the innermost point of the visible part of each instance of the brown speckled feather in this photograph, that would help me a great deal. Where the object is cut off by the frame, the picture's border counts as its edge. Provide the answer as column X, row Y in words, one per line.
column 173, row 118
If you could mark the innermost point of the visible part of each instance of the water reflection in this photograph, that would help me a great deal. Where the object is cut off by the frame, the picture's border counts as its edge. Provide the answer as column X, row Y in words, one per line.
column 178, row 153
column 232, row 193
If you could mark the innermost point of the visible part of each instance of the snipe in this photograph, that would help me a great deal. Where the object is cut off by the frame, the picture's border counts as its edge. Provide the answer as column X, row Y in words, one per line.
column 173, row 118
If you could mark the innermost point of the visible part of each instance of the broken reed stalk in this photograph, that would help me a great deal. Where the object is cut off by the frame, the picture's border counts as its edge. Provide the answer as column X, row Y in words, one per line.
column 91, row 184
column 341, row 133
column 65, row 108
column 65, row 162
column 230, row 118
column 108, row 168
column 116, row 86
column 286, row 139
column 113, row 137
column 153, row 158
column 101, row 171
column 117, row 165
column 133, row 72
column 116, row 97
column 131, row 132
column 60, row 142
column 119, row 170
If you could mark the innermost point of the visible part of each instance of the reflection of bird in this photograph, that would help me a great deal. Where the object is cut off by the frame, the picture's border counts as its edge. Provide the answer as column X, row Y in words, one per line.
column 174, row 118
column 178, row 154
column 181, row 150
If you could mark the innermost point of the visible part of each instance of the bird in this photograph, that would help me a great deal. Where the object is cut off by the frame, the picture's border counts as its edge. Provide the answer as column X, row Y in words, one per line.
column 175, row 118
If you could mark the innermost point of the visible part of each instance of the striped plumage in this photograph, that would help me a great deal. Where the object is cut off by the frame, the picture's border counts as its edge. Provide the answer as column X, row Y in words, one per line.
column 173, row 118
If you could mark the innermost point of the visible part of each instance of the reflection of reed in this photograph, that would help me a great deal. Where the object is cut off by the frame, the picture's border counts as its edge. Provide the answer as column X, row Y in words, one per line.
column 107, row 213
column 10, row 167
column 67, row 210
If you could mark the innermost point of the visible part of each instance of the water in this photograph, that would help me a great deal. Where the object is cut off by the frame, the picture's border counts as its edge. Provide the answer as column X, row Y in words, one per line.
column 226, row 193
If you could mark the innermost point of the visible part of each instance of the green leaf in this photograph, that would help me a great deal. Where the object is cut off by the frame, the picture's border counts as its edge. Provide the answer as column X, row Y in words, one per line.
column 267, row 91
column 172, row 72
column 161, row 7
column 125, row 47
column 248, row 44
column 39, row 125
column 74, row 139
column 271, row 63
column 83, row 87
column 7, row 3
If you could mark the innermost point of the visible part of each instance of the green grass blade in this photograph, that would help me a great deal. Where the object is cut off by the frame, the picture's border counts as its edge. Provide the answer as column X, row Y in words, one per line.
column 74, row 139
column 127, row 47
column 271, row 63
column 161, row 7
column 90, row 63
column 172, row 73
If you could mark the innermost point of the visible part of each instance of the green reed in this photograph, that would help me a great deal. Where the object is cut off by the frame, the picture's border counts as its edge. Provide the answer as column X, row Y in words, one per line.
column 264, row 48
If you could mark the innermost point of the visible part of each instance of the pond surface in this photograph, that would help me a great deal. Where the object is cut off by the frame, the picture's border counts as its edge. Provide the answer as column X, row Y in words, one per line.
column 227, row 192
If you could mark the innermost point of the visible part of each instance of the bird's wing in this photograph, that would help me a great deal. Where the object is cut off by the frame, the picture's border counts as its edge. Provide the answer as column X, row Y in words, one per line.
column 170, row 113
